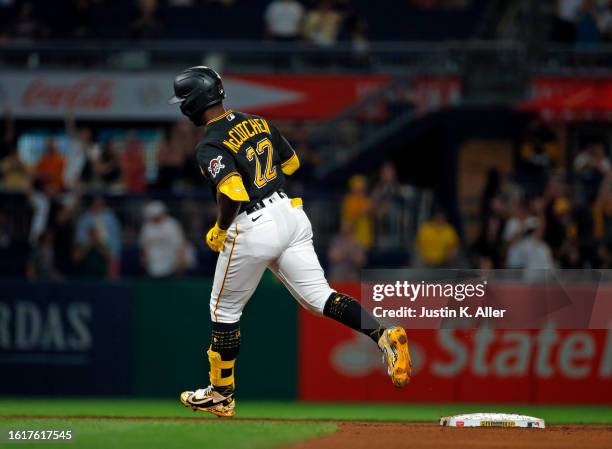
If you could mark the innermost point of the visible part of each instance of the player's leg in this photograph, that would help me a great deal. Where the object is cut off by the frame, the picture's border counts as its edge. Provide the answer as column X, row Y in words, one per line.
column 299, row 269
column 237, row 275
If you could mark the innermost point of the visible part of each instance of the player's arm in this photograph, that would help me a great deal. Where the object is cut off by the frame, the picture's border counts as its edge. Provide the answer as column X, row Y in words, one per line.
column 220, row 169
column 288, row 157
column 227, row 209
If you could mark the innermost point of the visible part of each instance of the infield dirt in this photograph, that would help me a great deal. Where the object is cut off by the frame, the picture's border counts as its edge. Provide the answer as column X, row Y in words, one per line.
column 430, row 436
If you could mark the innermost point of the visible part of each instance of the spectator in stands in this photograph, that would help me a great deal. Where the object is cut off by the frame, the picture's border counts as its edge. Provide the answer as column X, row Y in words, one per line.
column 133, row 164
column 490, row 243
column 530, row 252
column 590, row 165
column 93, row 256
column 82, row 18
column 358, row 33
column 162, row 243
column 592, row 159
column 604, row 20
column 8, row 141
column 50, row 167
column 62, row 226
column 6, row 231
column 41, row 263
column 14, row 173
column 493, row 188
column 26, row 26
column 587, row 28
column 284, row 20
column 602, row 217
column 570, row 256
column 107, row 167
column 297, row 134
column 388, row 198
column 191, row 174
column 322, row 24
column 347, row 256
column 100, row 224
column 517, row 223
column 39, row 199
column 147, row 25
column 564, row 27
column 81, row 154
column 437, row 242
column 357, row 211
column 171, row 155
column 539, row 153
column 558, row 214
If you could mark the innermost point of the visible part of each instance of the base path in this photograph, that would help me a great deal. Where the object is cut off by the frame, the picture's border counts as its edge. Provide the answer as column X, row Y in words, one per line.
column 430, row 436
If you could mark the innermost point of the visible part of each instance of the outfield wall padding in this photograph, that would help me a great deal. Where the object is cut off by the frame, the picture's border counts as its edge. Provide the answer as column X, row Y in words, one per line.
column 142, row 338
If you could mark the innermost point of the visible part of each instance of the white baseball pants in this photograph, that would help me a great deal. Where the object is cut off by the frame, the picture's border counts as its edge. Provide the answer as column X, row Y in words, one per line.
column 278, row 237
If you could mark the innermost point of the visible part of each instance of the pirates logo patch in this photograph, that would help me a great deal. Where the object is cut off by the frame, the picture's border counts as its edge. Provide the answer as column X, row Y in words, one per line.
column 215, row 166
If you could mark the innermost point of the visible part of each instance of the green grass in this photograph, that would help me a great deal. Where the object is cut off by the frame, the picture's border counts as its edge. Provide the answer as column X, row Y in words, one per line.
column 218, row 434
column 254, row 433
column 296, row 410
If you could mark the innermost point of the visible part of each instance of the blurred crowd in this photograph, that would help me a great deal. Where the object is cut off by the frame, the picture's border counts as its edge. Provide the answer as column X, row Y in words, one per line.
column 370, row 218
column 73, row 231
column 585, row 23
column 545, row 215
column 322, row 22
column 316, row 22
column 71, row 228
column 119, row 165
column 88, row 244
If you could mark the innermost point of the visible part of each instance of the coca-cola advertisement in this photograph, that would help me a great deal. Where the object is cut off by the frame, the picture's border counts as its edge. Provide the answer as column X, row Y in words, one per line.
column 109, row 95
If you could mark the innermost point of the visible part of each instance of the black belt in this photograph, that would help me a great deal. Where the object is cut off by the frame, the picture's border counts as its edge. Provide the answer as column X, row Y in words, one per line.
column 260, row 204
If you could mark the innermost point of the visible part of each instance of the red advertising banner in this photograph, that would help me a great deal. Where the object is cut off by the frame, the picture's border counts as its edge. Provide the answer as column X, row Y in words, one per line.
column 570, row 99
column 310, row 96
column 138, row 96
column 102, row 95
column 435, row 92
column 469, row 365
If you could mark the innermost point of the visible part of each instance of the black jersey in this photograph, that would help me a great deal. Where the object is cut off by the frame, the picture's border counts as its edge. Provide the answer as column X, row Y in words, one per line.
column 246, row 144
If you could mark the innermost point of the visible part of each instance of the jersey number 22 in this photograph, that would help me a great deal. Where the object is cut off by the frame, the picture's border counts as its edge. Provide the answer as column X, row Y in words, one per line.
column 262, row 177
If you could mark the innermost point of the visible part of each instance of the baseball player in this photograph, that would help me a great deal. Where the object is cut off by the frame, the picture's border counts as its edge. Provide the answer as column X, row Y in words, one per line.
column 246, row 160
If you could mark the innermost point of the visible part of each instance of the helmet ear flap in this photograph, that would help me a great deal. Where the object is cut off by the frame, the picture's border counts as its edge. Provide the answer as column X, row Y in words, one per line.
column 193, row 108
column 194, row 114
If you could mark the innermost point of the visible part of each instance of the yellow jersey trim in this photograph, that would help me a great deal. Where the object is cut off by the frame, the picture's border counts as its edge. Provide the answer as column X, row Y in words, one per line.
column 231, row 186
column 291, row 165
column 216, row 119
column 226, row 177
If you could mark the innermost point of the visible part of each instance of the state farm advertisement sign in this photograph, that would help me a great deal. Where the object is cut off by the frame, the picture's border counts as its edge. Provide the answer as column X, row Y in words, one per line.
column 468, row 365
column 143, row 96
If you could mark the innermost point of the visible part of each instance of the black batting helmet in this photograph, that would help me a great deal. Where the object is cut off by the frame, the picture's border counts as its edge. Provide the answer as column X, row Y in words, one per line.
column 197, row 89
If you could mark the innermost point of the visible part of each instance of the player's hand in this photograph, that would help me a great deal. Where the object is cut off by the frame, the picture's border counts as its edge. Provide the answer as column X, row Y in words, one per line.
column 215, row 238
